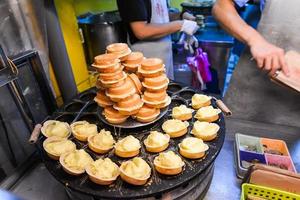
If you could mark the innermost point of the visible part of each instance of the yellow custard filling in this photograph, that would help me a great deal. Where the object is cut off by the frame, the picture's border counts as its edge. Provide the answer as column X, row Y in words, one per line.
column 85, row 128
column 200, row 99
column 77, row 160
column 205, row 128
column 137, row 168
column 156, row 139
column 181, row 110
column 57, row 128
column 169, row 160
column 104, row 169
column 104, row 140
column 60, row 147
column 207, row 111
column 128, row 143
column 174, row 125
column 193, row 145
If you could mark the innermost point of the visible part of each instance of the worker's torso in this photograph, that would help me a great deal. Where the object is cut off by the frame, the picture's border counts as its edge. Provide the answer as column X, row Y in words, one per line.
column 160, row 48
column 159, row 12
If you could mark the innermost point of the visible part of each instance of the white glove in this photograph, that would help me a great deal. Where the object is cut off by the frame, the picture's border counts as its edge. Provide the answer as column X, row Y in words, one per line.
column 189, row 27
column 189, row 42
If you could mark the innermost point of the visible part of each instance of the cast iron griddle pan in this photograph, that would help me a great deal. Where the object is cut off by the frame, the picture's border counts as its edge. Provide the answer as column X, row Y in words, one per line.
column 83, row 108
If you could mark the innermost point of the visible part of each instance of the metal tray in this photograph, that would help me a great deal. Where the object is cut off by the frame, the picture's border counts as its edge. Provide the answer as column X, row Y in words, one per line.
column 158, row 183
column 259, row 154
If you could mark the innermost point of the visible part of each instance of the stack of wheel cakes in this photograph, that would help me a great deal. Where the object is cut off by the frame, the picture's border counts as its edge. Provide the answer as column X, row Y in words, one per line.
column 130, row 85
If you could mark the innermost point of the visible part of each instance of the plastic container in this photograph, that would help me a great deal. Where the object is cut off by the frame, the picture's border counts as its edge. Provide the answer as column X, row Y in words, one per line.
column 248, row 150
column 249, row 143
column 249, row 158
column 266, row 193
column 283, row 162
column 277, row 147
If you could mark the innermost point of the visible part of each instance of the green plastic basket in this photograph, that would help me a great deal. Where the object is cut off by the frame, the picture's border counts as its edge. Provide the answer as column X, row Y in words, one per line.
column 266, row 193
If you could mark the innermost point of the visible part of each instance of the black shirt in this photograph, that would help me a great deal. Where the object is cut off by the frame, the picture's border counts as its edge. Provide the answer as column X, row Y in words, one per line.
column 132, row 11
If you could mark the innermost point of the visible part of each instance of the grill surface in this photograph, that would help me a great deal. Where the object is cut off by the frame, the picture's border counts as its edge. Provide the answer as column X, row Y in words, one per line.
column 158, row 183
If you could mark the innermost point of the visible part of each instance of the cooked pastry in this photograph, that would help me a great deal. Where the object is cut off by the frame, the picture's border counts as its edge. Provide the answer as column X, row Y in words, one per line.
column 208, row 114
column 102, row 86
column 135, row 171
column 102, row 142
column 147, row 114
column 103, row 171
column 83, row 129
column 113, row 116
column 137, row 83
column 135, row 58
column 205, row 130
column 168, row 163
column 56, row 146
column 102, row 100
column 75, row 162
column 56, row 128
column 175, row 128
column 120, row 49
column 158, row 83
column 192, row 148
column 182, row 112
column 130, row 105
column 156, row 99
column 115, row 76
column 151, row 67
column 110, row 69
column 200, row 100
column 152, row 64
column 167, row 103
column 127, row 147
column 112, row 79
column 156, row 141
column 120, row 92
column 104, row 61
column 133, row 61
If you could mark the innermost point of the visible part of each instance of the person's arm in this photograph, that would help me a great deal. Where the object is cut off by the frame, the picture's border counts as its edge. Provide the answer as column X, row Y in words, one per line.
column 143, row 30
column 268, row 56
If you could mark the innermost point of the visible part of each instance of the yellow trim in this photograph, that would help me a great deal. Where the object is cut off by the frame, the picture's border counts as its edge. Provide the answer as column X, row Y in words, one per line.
column 94, row 6
column 69, row 27
column 54, row 84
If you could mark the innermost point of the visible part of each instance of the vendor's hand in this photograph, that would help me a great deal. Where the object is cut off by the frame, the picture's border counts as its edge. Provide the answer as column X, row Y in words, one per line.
column 268, row 56
column 189, row 27
column 188, row 16
column 192, row 43
column 189, row 42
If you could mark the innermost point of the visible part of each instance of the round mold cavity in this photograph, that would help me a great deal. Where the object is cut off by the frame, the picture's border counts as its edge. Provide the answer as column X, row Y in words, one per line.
column 88, row 96
column 65, row 118
column 187, row 94
column 176, row 102
column 174, row 87
column 91, row 118
column 73, row 107
column 92, row 107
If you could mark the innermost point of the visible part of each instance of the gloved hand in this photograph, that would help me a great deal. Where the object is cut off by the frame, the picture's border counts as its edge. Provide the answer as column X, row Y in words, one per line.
column 189, row 42
column 189, row 27
column 188, row 16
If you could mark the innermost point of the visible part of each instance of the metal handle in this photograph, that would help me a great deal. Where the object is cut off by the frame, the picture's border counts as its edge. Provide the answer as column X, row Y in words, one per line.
column 81, row 35
column 223, row 107
column 35, row 134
